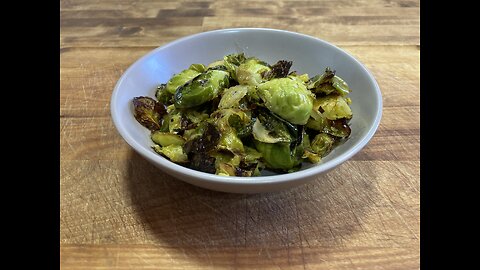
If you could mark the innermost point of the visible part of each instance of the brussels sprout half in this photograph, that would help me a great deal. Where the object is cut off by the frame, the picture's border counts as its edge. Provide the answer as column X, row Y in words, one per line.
column 148, row 112
column 183, row 77
column 228, row 133
column 269, row 129
column 288, row 98
column 173, row 152
column 231, row 97
column 334, row 107
column 278, row 155
column 322, row 144
column 328, row 83
column 167, row 138
column 231, row 62
column 203, row 88
column 250, row 72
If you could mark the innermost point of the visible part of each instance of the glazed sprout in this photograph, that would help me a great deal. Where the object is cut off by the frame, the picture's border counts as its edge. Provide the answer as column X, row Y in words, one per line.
column 167, row 138
column 239, row 115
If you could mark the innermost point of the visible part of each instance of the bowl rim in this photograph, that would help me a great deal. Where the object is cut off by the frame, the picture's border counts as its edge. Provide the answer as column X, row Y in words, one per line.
column 175, row 169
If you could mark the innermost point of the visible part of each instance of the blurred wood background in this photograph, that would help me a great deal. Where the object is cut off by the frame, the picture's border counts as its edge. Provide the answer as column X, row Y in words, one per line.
column 119, row 212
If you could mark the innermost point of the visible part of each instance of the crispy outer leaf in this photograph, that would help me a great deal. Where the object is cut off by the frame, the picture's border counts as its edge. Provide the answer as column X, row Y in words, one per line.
column 202, row 162
column 325, row 78
column 243, row 130
column 334, row 107
column 205, row 143
column 172, row 152
column 245, row 169
column 278, row 70
column 232, row 61
column 235, row 59
column 328, row 83
column 198, row 148
column 163, row 95
column 270, row 129
column 250, row 72
column 181, row 79
column 340, row 128
column 148, row 112
column 231, row 97
column 198, row 67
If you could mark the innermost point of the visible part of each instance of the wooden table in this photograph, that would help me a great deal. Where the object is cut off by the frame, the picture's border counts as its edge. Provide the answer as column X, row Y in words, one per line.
column 119, row 212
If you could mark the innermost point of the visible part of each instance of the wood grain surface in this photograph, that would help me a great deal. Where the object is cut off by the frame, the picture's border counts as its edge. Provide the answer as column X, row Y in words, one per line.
column 119, row 212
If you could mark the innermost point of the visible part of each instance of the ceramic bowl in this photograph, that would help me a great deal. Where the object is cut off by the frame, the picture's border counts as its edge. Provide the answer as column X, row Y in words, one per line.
column 309, row 55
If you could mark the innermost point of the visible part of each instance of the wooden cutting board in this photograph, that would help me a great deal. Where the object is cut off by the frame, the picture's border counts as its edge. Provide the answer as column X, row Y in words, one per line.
column 119, row 212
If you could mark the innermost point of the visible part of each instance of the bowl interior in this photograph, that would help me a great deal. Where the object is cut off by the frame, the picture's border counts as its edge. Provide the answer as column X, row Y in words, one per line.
column 309, row 55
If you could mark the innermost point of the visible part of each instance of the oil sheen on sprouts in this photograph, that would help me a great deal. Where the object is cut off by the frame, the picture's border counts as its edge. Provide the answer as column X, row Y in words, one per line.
column 239, row 115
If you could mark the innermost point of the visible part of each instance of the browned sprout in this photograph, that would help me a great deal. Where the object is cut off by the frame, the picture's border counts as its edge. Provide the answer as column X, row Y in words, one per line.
column 328, row 83
column 239, row 115
column 278, row 70
column 198, row 150
column 148, row 112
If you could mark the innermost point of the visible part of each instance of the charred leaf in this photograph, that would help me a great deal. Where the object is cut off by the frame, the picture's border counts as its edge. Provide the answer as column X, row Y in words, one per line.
column 278, row 70
column 149, row 112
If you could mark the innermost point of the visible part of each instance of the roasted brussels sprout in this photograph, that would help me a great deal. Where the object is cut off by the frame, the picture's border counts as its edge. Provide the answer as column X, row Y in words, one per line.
column 203, row 88
column 231, row 62
column 167, row 138
column 231, row 97
column 278, row 155
column 327, row 83
column 148, row 112
column 173, row 152
column 322, row 144
column 198, row 149
column 338, row 128
column 279, row 70
column 251, row 70
column 225, row 162
column 162, row 94
column 243, row 127
column 240, row 115
column 183, row 77
column 334, row 107
column 269, row 129
column 228, row 133
column 288, row 98
column 216, row 64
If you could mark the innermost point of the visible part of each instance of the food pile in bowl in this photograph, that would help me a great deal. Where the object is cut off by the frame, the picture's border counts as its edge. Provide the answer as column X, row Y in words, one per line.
column 240, row 115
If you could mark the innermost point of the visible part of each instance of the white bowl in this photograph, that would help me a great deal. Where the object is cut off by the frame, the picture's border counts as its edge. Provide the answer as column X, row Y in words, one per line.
column 309, row 55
